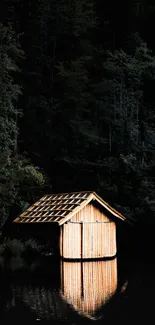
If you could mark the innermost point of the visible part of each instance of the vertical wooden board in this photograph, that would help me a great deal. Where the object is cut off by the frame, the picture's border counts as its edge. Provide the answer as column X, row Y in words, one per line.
column 96, row 239
column 109, row 239
column 99, row 236
column 94, row 250
column 90, row 227
column 91, row 209
column 78, row 240
column 105, row 239
column 112, row 243
column 66, row 251
column 84, row 246
column 101, row 243
column 92, row 240
column 86, row 241
column 65, row 240
column 114, row 239
column 60, row 241
column 72, row 240
column 73, row 234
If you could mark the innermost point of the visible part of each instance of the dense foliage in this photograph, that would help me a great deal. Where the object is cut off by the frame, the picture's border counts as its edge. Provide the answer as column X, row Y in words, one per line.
column 77, row 98
column 18, row 178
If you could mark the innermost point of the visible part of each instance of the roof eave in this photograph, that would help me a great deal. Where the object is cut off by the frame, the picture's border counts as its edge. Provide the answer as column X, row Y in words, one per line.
column 109, row 208
column 92, row 196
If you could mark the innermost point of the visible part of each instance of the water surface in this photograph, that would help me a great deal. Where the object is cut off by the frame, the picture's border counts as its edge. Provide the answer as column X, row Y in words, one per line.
column 73, row 292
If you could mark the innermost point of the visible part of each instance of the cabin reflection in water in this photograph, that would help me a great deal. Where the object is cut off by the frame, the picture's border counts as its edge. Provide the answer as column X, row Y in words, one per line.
column 83, row 291
column 88, row 286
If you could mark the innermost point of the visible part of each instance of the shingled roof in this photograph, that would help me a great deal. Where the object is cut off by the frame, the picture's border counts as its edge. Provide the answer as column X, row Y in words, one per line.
column 61, row 207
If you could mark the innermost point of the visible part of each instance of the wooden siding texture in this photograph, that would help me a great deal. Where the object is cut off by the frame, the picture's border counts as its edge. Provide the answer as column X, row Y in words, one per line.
column 88, row 286
column 90, row 213
column 89, row 234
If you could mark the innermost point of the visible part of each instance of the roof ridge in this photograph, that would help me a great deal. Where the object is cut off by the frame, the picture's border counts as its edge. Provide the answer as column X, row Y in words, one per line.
column 108, row 206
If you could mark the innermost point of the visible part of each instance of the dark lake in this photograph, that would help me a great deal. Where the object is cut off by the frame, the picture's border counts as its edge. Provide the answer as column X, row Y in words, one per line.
column 52, row 291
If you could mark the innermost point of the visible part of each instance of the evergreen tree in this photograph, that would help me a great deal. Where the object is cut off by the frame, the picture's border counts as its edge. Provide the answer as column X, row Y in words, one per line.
column 87, row 98
column 14, row 171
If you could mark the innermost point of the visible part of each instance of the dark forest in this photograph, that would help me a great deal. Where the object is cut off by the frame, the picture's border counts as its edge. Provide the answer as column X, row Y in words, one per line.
column 77, row 97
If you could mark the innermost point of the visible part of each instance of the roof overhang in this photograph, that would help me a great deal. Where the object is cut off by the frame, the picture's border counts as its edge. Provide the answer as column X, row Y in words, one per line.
column 93, row 196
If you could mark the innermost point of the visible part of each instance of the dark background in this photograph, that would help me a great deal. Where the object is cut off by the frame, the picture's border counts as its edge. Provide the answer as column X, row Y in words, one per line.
column 77, row 95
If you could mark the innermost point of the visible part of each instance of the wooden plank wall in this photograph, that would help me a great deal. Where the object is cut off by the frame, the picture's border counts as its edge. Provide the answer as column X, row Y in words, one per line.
column 99, row 240
column 70, row 240
column 87, row 286
column 90, row 234
column 90, row 213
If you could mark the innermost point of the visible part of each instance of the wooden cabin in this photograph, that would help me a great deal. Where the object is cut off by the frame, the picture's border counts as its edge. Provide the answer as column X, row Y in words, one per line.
column 87, row 223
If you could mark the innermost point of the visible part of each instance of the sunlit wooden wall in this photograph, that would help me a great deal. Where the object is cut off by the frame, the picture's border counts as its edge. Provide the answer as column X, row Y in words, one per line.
column 88, row 286
column 90, row 234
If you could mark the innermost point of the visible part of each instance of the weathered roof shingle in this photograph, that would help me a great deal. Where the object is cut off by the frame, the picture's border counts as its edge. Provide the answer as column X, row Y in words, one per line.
column 61, row 207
